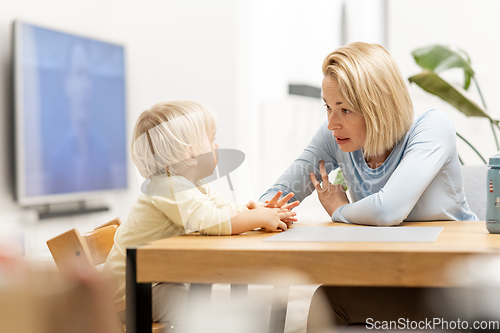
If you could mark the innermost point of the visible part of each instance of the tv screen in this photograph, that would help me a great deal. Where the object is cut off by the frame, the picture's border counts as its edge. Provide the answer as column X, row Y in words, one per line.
column 70, row 115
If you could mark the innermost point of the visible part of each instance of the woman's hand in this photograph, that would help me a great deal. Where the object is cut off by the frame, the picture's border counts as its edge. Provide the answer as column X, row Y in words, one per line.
column 331, row 196
column 276, row 202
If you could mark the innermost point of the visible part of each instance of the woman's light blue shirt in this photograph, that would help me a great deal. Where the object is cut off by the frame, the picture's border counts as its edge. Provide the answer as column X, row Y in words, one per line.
column 421, row 180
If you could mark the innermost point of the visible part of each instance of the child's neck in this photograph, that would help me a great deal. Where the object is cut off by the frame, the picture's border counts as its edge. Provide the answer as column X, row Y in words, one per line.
column 191, row 174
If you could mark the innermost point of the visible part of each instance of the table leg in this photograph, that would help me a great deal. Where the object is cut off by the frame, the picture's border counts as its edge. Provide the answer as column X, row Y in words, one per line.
column 278, row 309
column 139, row 307
column 239, row 291
column 199, row 293
column 199, row 298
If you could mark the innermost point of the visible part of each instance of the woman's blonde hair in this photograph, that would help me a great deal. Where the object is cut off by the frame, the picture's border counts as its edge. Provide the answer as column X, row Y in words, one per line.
column 165, row 133
column 369, row 81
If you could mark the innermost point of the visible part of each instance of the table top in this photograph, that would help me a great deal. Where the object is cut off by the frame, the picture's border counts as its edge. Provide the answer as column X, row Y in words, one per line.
column 246, row 258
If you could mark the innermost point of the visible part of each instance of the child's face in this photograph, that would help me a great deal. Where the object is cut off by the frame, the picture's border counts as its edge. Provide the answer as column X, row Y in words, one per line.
column 211, row 145
column 208, row 158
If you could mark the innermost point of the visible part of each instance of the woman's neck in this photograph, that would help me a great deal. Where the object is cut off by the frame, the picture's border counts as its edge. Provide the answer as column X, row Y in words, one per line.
column 375, row 162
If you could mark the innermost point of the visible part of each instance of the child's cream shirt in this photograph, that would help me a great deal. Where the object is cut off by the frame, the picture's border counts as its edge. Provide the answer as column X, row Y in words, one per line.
column 183, row 209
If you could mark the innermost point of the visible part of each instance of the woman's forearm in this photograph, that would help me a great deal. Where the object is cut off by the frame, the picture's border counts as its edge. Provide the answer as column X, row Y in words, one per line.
column 296, row 177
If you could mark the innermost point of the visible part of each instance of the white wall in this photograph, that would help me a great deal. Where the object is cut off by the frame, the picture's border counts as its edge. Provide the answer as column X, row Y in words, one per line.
column 286, row 42
column 365, row 21
column 470, row 25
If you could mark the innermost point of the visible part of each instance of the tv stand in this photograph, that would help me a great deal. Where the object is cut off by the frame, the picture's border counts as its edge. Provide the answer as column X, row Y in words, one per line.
column 61, row 210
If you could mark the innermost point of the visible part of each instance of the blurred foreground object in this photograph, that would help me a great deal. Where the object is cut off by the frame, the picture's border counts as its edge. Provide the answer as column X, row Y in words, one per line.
column 246, row 312
column 36, row 298
column 72, row 250
column 478, row 298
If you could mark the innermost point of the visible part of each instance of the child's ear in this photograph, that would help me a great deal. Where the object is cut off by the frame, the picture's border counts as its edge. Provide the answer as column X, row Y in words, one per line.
column 190, row 157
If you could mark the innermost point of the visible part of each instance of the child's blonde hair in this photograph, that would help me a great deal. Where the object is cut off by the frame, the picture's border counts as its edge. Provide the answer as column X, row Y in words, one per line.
column 165, row 133
column 370, row 82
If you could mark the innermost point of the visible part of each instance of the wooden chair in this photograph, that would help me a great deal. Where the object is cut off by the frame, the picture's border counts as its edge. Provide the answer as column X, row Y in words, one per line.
column 72, row 249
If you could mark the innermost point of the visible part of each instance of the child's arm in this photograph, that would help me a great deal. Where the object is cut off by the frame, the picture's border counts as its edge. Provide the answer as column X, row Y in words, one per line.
column 267, row 218
column 195, row 211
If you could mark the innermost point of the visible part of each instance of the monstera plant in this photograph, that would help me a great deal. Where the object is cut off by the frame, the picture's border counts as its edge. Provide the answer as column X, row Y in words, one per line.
column 436, row 59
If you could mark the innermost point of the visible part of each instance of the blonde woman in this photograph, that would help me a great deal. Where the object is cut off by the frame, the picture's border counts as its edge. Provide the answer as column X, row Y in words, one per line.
column 396, row 169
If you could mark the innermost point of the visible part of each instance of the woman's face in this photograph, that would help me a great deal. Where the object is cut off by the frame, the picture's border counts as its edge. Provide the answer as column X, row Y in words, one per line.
column 348, row 127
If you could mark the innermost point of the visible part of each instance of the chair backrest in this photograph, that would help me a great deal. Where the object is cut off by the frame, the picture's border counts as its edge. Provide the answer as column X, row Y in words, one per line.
column 71, row 248
column 474, row 183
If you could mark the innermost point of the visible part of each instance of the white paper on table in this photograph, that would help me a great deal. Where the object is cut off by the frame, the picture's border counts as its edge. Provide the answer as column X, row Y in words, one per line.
column 357, row 234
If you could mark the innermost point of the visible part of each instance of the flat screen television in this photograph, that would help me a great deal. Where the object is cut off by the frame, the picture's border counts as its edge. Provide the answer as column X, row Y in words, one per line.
column 70, row 116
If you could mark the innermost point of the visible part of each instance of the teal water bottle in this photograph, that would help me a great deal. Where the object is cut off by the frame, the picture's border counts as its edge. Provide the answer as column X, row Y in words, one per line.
column 493, row 195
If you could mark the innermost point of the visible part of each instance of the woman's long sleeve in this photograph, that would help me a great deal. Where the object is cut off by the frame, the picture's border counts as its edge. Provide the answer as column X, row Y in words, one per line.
column 296, row 178
column 430, row 146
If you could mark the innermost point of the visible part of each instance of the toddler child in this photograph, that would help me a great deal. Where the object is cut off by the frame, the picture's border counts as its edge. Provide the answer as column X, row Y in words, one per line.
column 174, row 149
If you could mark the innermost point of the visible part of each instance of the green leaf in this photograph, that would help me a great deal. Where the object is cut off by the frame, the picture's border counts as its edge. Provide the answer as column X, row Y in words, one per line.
column 434, row 84
column 340, row 179
column 440, row 57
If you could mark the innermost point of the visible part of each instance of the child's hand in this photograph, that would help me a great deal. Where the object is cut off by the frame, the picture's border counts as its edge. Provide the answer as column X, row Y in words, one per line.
column 273, row 218
column 288, row 221
column 275, row 202
column 270, row 219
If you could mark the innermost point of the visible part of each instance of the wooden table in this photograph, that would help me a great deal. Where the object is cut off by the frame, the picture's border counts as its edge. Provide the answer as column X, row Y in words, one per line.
column 246, row 259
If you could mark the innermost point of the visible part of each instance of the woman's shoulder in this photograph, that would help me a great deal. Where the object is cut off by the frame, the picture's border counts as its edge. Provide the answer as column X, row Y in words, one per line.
column 433, row 117
column 434, row 122
column 433, row 130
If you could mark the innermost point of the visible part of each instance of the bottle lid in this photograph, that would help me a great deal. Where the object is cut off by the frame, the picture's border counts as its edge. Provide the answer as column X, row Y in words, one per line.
column 495, row 160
